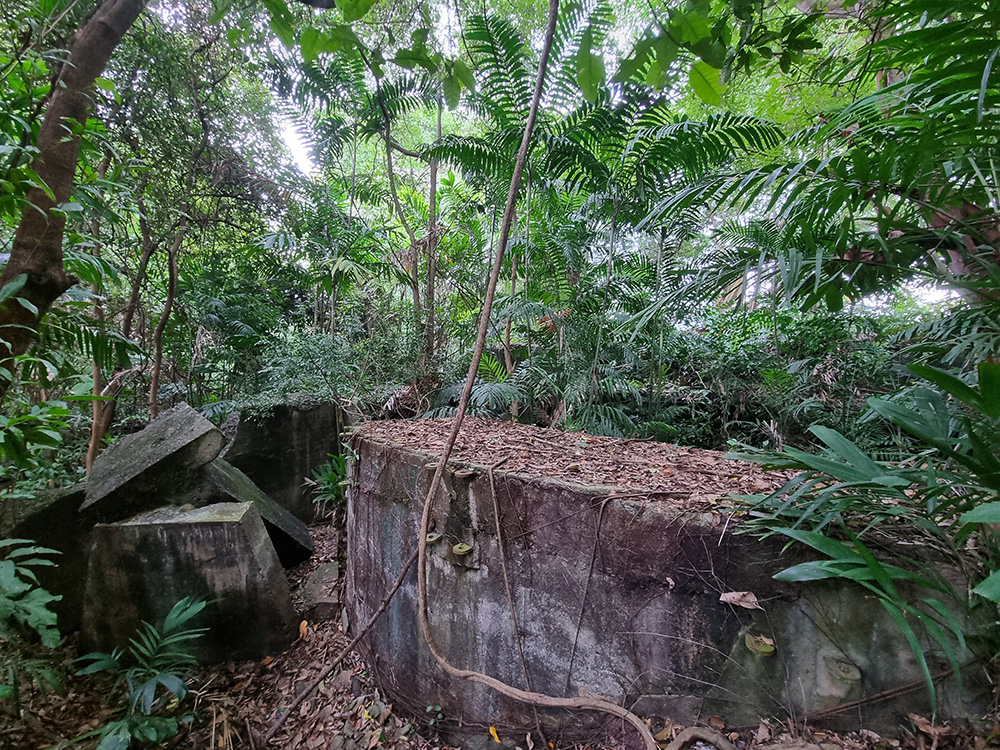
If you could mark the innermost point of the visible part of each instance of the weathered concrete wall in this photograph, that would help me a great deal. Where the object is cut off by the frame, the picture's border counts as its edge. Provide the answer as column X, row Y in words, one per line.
column 280, row 451
column 140, row 568
column 52, row 519
column 616, row 597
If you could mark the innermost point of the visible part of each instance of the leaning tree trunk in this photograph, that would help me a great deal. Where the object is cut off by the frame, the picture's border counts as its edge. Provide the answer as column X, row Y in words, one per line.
column 37, row 252
column 154, row 380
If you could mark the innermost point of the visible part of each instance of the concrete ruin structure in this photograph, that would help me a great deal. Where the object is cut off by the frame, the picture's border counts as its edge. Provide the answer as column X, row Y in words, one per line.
column 220, row 554
column 162, row 517
column 653, row 604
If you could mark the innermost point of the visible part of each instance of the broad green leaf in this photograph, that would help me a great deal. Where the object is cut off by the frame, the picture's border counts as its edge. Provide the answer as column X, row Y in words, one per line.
column 986, row 513
column 816, row 570
column 714, row 53
column 283, row 30
column 989, row 388
column 630, row 67
column 308, row 42
column 354, row 9
column 464, row 75
column 13, row 286
column 953, row 386
column 410, row 59
column 452, row 88
column 689, row 28
column 706, row 83
column 744, row 9
column 589, row 67
column 990, row 588
column 337, row 38
column 822, row 543
column 847, row 451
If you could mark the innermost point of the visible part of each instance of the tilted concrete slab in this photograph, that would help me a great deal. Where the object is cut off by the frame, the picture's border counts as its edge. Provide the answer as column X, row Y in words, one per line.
column 226, row 483
column 138, row 471
column 220, row 553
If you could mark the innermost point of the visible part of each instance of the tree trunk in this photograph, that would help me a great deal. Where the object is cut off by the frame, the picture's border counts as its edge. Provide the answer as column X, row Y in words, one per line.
column 98, row 425
column 433, row 236
column 413, row 269
column 37, row 252
column 154, row 380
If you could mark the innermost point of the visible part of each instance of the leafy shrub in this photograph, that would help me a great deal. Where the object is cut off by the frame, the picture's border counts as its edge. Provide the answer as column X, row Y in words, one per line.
column 329, row 483
column 942, row 493
column 24, row 610
column 23, row 603
column 160, row 660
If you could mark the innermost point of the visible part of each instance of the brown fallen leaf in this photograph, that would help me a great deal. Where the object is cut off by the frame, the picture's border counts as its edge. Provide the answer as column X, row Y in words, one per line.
column 666, row 734
column 763, row 733
column 745, row 599
column 717, row 723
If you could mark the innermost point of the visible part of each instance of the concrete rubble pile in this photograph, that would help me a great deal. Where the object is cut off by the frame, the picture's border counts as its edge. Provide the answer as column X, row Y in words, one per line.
column 161, row 517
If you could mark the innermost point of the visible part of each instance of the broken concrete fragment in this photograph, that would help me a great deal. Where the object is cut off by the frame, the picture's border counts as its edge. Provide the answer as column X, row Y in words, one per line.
column 220, row 553
column 321, row 594
column 51, row 520
column 135, row 473
column 281, row 450
column 289, row 535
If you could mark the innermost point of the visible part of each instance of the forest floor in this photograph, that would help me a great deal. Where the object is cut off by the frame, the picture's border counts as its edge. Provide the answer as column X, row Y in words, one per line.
column 229, row 701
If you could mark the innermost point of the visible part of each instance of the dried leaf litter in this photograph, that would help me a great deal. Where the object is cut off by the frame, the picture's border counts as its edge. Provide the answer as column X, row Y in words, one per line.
column 691, row 477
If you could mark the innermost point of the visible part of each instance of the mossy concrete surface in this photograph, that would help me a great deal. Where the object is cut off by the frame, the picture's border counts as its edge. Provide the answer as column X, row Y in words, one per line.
column 290, row 536
column 617, row 597
column 162, row 459
column 219, row 553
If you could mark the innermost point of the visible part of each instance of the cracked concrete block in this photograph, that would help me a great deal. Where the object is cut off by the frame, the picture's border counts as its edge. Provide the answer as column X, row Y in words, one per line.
column 289, row 535
column 220, row 553
column 140, row 470
column 280, row 450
